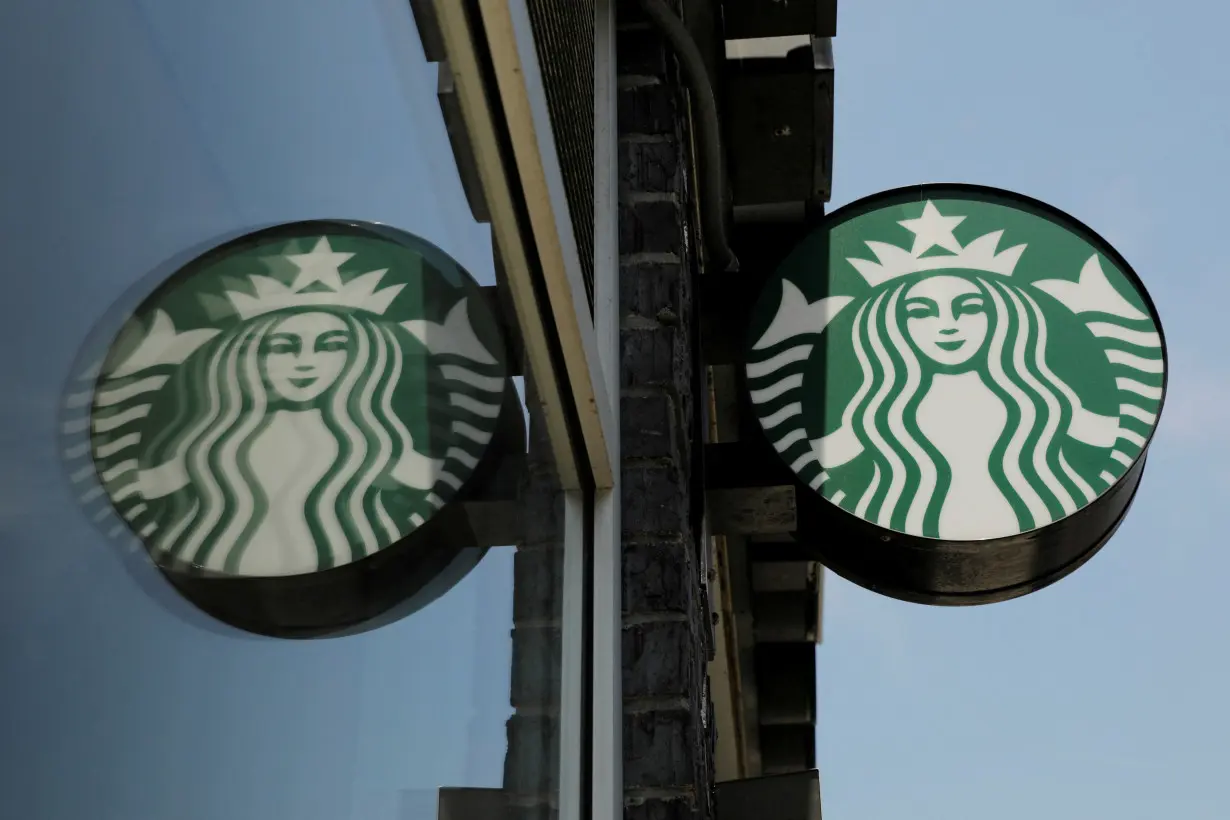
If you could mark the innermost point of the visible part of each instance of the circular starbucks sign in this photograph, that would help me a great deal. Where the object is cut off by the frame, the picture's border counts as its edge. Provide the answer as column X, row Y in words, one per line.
column 968, row 379
column 280, row 423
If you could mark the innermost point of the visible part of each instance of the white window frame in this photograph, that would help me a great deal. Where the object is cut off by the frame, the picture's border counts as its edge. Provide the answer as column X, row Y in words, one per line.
column 519, row 76
column 607, row 740
column 590, row 348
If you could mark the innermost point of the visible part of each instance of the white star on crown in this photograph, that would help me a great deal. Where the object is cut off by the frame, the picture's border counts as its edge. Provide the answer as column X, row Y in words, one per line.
column 931, row 229
column 320, row 268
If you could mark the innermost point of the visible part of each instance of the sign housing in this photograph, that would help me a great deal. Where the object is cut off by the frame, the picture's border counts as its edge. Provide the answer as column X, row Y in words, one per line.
column 964, row 383
column 284, row 423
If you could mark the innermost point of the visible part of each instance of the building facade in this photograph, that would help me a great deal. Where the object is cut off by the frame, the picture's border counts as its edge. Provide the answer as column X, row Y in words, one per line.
column 551, row 211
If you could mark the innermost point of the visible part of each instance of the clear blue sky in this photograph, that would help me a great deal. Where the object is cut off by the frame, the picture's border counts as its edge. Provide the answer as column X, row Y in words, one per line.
column 1105, row 695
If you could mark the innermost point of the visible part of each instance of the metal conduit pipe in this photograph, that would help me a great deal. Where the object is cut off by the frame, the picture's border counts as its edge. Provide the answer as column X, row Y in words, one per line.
column 714, row 209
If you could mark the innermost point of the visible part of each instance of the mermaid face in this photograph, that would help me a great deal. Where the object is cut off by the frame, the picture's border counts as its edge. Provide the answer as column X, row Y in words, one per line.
column 946, row 317
column 304, row 354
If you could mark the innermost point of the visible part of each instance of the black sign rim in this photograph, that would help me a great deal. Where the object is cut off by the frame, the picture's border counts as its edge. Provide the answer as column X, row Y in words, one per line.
column 378, row 588
column 973, row 571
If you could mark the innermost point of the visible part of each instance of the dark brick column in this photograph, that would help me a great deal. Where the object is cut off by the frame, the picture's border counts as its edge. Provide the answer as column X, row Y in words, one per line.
column 667, row 641
column 531, row 766
column 668, row 741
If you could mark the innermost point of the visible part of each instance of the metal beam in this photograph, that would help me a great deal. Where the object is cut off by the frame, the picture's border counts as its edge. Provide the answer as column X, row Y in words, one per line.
column 780, row 133
column 607, row 783
column 783, row 797
column 735, row 625
column 519, row 79
column 485, row 131
column 747, row 19
column 751, row 511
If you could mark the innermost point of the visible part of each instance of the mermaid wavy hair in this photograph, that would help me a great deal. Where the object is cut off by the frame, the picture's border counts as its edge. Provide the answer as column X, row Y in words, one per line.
column 222, row 405
column 910, row 477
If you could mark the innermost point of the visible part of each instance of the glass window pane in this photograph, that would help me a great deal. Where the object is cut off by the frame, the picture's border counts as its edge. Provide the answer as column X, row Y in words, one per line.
column 152, row 133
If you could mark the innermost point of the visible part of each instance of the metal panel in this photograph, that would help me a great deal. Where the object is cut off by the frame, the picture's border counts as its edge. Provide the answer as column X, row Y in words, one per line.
column 785, row 616
column 786, row 678
column 779, row 115
column 573, row 761
column 743, row 464
column 787, row 748
column 746, row 19
column 778, row 121
column 518, row 75
column 740, row 725
column 467, row 167
column 464, row 63
column 471, row 804
column 781, row 577
column 564, row 39
column 608, row 781
column 751, row 510
column 487, row 136
column 782, row 797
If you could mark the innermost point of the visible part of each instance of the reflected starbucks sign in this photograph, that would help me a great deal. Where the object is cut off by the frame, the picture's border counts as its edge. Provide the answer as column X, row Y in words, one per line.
column 296, row 406
column 968, row 379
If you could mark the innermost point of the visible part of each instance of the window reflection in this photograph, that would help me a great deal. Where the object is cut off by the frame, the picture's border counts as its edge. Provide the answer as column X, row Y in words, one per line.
column 121, row 698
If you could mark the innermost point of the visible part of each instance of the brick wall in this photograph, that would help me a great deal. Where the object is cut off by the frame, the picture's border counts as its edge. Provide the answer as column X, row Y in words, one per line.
column 668, row 743
column 531, row 766
column 667, row 638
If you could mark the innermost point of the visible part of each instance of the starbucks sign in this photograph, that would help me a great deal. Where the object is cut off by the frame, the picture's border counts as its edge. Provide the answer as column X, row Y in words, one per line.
column 287, row 415
column 958, row 373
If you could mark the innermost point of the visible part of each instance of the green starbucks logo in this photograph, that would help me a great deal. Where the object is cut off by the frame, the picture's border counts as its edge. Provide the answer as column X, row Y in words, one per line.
column 964, row 368
column 296, row 402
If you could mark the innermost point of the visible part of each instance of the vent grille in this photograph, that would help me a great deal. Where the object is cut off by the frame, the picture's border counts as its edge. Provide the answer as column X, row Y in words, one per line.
column 564, row 40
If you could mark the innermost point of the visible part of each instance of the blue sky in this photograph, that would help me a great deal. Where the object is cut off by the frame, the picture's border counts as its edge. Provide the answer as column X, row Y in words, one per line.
column 1103, row 695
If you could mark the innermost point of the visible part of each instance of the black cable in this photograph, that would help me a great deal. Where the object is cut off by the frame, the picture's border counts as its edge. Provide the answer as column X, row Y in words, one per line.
column 713, row 210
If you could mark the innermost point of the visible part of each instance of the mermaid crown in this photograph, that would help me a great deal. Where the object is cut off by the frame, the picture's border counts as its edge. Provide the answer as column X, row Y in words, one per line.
column 318, row 284
column 932, row 229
